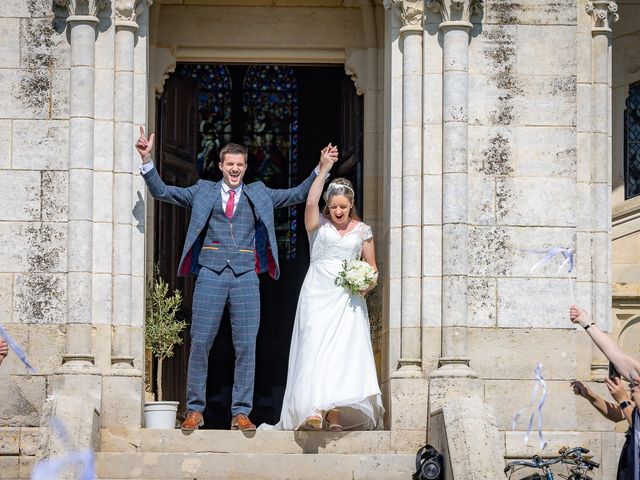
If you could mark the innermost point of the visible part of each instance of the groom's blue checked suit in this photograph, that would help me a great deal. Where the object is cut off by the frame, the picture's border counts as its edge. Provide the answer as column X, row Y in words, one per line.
column 226, row 254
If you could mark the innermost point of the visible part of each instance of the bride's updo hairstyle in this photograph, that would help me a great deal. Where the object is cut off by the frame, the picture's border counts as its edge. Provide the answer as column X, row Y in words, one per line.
column 340, row 186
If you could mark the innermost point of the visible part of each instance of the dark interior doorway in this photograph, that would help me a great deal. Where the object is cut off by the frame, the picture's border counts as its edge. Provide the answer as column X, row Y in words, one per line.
column 285, row 115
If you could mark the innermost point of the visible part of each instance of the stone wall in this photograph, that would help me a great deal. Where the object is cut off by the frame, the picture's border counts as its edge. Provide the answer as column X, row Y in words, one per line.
column 34, row 131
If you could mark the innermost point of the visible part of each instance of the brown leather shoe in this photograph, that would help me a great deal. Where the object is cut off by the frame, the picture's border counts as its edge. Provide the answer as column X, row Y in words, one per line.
column 242, row 422
column 192, row 421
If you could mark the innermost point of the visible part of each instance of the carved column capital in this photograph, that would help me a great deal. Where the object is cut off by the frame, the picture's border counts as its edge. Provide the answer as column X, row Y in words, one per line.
column 456, row 10
column 411, row 11
column 604, row 13
column 127, row 11
column 83, row 7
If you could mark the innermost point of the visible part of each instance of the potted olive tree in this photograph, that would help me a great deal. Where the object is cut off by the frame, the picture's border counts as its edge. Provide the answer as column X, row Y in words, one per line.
column 161, row 335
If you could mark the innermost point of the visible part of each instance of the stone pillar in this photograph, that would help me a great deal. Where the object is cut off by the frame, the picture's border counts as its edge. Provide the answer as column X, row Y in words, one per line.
column 454, row 363
column 126, row 28
column 604, row 15
column 82, row 21
column 122, row 391
column 407, row 385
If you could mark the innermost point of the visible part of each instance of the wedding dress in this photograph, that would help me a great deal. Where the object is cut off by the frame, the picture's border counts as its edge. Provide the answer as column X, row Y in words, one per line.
column 331, row 362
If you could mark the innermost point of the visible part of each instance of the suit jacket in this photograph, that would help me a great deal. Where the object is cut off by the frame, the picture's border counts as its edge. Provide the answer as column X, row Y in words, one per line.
column 201, row 198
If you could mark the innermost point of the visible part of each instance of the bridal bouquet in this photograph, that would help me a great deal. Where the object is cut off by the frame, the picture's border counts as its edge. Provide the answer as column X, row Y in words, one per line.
column 356, row 275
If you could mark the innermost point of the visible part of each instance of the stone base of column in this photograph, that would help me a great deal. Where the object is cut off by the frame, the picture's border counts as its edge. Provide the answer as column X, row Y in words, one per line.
column 599, row 371
column 408, row 368
column 78, row 382
column 122, row 363
column 408, row 401
column 122, row 399
column 81, row 423
column 454, row 378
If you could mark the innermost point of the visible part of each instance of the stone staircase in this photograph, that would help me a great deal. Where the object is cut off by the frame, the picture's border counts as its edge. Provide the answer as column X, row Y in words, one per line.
column 218, row 454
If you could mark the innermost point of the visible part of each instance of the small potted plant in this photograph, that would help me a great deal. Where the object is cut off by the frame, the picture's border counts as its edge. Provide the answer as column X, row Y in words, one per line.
column 162, row 334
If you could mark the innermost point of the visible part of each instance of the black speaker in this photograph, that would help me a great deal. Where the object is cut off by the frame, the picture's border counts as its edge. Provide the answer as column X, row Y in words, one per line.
column 429, row 464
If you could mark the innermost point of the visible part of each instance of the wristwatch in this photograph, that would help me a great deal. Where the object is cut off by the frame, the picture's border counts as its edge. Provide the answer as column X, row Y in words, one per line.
column 624, row 404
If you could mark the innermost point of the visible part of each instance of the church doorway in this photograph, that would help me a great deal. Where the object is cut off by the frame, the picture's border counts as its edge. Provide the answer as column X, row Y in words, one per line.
column 284, row 114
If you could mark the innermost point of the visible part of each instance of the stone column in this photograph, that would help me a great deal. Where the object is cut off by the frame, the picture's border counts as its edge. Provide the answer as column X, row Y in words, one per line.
column 410, row 362
column 604, row 15
column 126, row 28
column 407, row 384
column 455, row 28
column 82, row 21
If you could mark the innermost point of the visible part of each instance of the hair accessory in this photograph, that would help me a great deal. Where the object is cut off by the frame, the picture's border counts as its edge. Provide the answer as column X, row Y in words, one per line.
column 338, row 186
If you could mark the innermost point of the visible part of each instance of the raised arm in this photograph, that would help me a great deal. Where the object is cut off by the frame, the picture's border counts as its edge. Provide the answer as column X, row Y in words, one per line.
column 609, row 410
column 292, row 196
column 312, row 208
column 158, row 189
column 628, row 366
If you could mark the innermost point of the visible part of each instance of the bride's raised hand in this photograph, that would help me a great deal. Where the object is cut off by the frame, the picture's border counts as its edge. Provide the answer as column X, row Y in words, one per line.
column 328, row 156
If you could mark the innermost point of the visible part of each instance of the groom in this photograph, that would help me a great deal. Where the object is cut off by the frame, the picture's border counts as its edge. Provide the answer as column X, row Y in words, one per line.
column 231, row 238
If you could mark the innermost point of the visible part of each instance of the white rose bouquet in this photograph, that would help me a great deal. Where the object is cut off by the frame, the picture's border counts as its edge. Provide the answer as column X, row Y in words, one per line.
column 356, row 276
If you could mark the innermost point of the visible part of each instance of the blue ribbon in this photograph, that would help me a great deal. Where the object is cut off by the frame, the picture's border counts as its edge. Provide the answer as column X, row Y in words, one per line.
column 16, row 349
column 539, row 384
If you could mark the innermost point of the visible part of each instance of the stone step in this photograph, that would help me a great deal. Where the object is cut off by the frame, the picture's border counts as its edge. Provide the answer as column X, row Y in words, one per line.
column 251, row 466
column 260, row 442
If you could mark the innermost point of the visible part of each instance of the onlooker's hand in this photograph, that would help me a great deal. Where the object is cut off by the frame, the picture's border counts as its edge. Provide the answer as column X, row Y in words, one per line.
column 617, row 389
column 4, row 349
column 144, row 146
column 581, row 389
column 635, row 390
column 579, row 316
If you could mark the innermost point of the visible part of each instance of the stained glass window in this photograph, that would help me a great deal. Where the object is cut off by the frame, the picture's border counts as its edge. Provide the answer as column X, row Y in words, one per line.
column 270, row 108
column 632, row 143
column 214, row 113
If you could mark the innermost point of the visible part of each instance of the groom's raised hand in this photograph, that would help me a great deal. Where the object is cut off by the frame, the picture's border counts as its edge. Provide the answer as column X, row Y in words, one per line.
column 144, row 145
column 328, row 156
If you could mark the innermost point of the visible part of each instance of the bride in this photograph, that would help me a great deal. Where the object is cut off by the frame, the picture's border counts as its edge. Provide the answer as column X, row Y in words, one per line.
column 331, row 380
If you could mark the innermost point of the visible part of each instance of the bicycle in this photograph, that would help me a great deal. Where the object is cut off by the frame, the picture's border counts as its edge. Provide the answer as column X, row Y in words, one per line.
column 578, row 466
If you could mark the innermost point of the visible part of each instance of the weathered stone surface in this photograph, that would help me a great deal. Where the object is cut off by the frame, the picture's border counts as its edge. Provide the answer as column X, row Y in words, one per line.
column 20, row 195
column 33, row 247
column 561, row 12
column 9, row 441
column 29, row 440
column 534, row 302
column 40, row 145
column 21, row 400
column 5, row 144
column 10, row 467
column 25, row 93
column 45, row 347
column 54, row 196
column 122, row 399
column 532, row 40
column 6, row 295
column 44, row 44
column 557, row 352
column 518, row 201
column 472, row 440
column 9, row 31
column 40, row 298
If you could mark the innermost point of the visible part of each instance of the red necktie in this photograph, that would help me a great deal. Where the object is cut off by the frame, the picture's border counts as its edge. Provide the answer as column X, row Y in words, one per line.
column 228, row 211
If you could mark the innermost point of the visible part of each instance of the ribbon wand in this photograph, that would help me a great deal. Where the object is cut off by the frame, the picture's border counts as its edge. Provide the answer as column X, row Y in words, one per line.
column 17, row 350
column 568, row 261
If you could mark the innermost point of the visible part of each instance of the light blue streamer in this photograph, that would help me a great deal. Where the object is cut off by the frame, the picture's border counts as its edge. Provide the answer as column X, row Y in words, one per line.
column 16, row 349
column 539, row 384
column 51, row 469
column 568, row 261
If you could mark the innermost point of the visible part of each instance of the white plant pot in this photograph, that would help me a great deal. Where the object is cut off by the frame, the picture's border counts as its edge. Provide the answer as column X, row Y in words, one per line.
column 160, row 415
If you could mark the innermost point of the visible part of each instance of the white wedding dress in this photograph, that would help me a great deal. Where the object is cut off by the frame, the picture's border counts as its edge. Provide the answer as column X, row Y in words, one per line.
column 331, row 362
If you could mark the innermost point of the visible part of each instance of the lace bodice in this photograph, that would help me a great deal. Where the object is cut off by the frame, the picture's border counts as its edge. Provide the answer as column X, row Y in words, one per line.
column 327, row 244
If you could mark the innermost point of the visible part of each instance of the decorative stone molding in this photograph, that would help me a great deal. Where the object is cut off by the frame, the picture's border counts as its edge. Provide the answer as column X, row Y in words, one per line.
column 356, row 67
column 604, row 13
column 83, row 7
column 456, row 10
column 411, row 11
column 128, row 10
